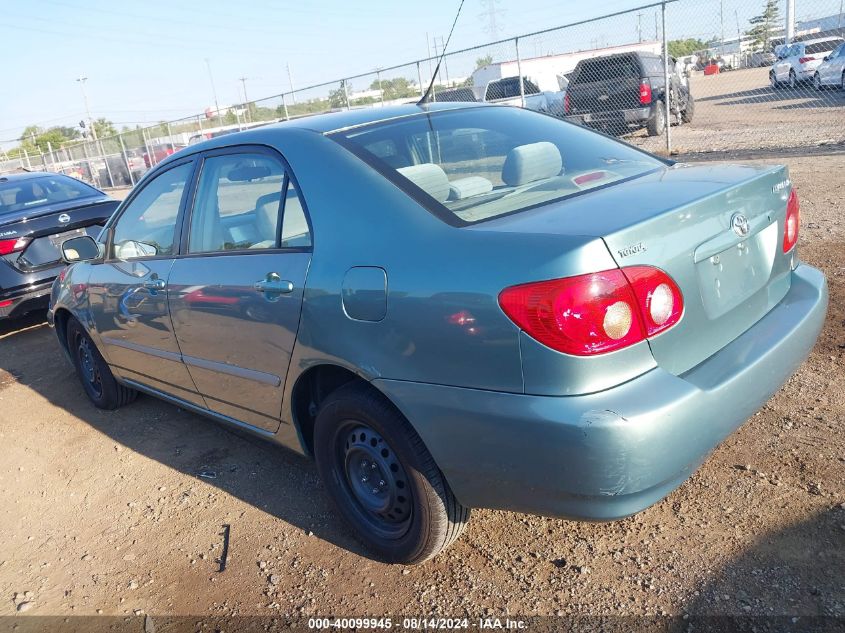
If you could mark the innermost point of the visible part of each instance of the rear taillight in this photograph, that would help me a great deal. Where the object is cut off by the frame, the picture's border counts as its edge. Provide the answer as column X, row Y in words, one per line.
column 804, row 60
column 6, row 303
column 791, row 224
column 567, row 105
column 13, row 246
column 645, row 92
column 595, row 313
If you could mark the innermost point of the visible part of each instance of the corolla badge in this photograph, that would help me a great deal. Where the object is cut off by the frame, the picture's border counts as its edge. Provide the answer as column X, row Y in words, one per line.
column 739, row 224
column 64, row 218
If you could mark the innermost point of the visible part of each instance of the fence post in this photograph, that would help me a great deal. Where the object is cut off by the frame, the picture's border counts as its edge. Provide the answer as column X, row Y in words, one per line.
column 170, row 135
column 345, row 92
column 150, row 157
column 666, row 86
column 50, row 153
column 95, row 176
column 419, row 79
column 381, row 91
column 519, row 72
column 106, row 161
column 28, row 163
column 126, row 160
column 285, row 106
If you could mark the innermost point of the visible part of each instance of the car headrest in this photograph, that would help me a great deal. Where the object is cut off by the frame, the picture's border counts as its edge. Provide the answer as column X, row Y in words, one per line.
column 430, row 178
column 468, row 187
column 532, row 162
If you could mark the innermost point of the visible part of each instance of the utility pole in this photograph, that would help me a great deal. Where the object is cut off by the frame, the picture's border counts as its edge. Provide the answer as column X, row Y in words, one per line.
column 445, row 63
column 213, row 89
column 246, row 99
column 790, row 20
column 640, row 27
column 91, row 127
column 722, row 22
column 290, row 81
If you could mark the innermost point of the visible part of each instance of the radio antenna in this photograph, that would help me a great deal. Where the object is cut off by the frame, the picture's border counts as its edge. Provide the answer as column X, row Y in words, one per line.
column 427, row 96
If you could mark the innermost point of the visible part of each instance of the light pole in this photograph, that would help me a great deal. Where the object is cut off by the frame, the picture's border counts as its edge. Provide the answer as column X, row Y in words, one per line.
column 213, row 89
column 82, row 81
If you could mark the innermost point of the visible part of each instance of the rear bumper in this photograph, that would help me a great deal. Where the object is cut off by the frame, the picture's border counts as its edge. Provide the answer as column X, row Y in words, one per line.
column 24, row 300
column 610, row 454
column 613, row 118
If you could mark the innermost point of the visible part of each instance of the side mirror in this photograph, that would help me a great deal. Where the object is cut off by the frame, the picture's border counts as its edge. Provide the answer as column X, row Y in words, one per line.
column 80, row 249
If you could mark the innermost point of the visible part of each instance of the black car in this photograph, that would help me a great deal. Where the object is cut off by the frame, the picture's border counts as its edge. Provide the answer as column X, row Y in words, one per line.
column 627, row 91
column 38, row 211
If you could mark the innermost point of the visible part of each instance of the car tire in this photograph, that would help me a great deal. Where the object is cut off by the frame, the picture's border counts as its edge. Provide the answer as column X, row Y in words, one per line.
column 842, row 81
column 689, row 111
column 97, row 379
column 793, row 80
column 407, row 513
column 817, row 82
column 657, row 123
column 773, row 80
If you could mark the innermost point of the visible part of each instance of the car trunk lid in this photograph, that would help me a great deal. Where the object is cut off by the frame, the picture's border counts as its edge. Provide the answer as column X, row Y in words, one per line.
column 680, row 220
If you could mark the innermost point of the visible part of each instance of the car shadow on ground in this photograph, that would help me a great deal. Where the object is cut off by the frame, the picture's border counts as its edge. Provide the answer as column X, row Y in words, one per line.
column 273, row 479
column 804, row 96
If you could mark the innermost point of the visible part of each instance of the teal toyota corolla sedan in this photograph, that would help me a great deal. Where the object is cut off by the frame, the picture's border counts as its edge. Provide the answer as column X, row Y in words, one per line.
column 449, row 307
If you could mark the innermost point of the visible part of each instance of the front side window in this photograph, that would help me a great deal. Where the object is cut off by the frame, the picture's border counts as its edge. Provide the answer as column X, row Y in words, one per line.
column 238, row 204
column 147, row 227
column 475, row 164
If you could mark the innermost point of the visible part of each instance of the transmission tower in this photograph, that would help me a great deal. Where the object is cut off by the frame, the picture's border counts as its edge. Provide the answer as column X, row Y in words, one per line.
column 491, row 15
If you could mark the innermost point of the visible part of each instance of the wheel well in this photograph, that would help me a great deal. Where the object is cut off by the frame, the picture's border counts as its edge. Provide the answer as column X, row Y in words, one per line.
column 60, row 319
column 310, row 390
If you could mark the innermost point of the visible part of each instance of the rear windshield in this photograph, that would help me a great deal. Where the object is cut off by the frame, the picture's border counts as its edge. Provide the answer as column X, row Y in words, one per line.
column 821, row 47
column 509, row 88
column 475, row 164
column 31, row 193
column 606, row 68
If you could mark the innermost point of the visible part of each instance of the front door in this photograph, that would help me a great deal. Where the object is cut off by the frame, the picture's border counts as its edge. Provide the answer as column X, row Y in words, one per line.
column 236, row 292
column 128, row 292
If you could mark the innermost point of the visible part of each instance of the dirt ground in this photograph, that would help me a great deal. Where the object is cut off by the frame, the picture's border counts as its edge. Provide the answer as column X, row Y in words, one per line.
column 114, row 513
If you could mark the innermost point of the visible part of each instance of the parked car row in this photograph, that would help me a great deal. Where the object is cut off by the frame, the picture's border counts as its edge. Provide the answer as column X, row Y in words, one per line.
column 819, row 61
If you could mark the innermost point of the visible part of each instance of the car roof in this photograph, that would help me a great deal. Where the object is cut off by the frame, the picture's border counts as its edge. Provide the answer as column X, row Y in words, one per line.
column 25, row 175
column 334, row 121
column 819, row 40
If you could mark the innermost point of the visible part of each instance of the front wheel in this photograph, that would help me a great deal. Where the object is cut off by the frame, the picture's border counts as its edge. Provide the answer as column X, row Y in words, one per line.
column 773, row 80
column 793, row 80
column 842, row 81
column 382, row 478
column 817, row 81
column 93, row 371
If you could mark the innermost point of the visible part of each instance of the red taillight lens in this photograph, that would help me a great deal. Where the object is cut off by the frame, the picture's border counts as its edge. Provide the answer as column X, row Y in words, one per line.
column 567, row 105
column 645, row 92
column 791, row 224
column 6, row 303
column 13, row 246
column 658, row 297
column 804, row 60
column 595, row 313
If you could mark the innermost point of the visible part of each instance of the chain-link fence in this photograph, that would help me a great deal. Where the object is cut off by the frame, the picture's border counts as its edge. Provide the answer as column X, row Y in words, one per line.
column 680, row 76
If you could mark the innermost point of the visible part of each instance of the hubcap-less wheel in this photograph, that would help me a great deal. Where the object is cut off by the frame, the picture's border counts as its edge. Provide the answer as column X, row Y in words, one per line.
column 793, row 81
column 90, row 373
column 817, row 81
column 376, row 482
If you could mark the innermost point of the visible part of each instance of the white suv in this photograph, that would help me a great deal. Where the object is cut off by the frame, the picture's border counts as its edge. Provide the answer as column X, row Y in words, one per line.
column 799, row 61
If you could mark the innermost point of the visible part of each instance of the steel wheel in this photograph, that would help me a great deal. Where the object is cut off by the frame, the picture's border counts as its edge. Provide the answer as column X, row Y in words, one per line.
column 817, row 81
column 89, row 371
column 376, row 482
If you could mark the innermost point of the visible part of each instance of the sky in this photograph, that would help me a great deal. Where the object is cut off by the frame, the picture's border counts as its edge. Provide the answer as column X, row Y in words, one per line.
column 146, row 61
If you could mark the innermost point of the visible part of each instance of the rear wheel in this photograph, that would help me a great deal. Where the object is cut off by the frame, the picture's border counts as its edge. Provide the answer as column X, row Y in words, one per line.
column 94, row 374
column 773, row 80
column 689, row 111
column 657, row 123
column 842, row 81
column 793, row 80
column 817, row 81
column 382, row 478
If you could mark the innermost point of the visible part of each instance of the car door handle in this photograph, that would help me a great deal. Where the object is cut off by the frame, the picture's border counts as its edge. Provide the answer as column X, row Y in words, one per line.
column 154, row 284
column 273, row 285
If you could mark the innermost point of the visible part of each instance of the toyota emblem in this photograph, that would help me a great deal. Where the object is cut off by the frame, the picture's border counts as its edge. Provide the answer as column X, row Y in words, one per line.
column 739, row 224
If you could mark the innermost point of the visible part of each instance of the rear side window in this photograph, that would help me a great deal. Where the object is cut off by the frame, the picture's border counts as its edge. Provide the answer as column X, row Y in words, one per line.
column 475, row 164
column 608, row 68
column 509, row 88
column 31, row 193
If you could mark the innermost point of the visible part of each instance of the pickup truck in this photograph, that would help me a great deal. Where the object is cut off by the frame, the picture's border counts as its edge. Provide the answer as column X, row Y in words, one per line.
column 506, row 91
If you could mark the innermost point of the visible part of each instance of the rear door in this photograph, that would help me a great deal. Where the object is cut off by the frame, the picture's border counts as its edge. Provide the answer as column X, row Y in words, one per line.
column 128, row 292
column 236, row 290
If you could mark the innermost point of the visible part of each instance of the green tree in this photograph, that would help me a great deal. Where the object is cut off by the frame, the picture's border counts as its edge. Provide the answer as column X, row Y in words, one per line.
column 762, row 25
column 481, row 62
column 337, row 97
column 679, row 48
column 103, row 127
column 396, row 88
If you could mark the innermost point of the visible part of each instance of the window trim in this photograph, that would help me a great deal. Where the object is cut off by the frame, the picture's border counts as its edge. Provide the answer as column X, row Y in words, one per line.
column 288, row 176
column 177, row 228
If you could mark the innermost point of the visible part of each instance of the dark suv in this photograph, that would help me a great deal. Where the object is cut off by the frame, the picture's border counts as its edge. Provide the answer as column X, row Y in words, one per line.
column 619, row 93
